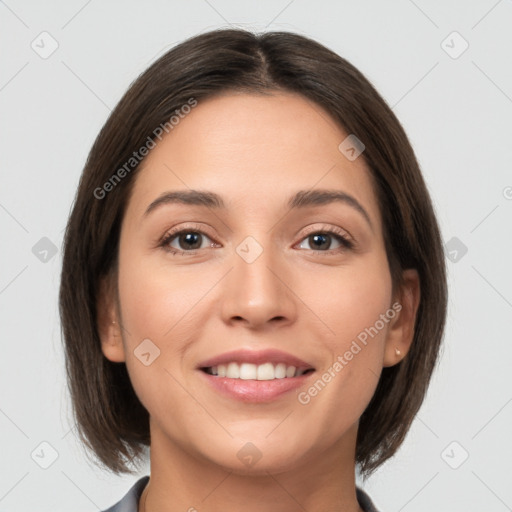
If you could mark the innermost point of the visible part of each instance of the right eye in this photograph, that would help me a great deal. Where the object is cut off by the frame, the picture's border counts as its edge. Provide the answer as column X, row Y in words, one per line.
column 188, row 241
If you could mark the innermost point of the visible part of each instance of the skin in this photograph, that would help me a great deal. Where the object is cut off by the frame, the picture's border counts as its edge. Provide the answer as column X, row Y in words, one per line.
column 255, row 151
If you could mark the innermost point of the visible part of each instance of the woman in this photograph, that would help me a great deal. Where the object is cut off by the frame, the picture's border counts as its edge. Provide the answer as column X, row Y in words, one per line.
column 253, row 282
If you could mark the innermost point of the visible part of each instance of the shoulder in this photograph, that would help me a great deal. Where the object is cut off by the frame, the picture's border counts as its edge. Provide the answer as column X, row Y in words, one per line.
column 365, row 501
column 130, row 501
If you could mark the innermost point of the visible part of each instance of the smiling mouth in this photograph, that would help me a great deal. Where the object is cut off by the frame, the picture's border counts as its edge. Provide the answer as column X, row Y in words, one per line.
column 249, row 371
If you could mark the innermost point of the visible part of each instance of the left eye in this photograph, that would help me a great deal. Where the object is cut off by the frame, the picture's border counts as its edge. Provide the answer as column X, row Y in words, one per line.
column 321, row 241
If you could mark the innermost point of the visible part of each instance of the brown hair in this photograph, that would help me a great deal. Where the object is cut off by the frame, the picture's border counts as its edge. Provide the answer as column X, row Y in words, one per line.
column 111, row 420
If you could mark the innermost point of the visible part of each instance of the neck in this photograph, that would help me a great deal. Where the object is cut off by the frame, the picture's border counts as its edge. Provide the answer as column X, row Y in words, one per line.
column 181, row 481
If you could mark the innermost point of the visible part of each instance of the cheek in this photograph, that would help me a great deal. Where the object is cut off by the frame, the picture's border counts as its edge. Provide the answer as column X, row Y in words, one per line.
column 358, row 327
column 156, row 299
column 351, row 299
column 161, row 303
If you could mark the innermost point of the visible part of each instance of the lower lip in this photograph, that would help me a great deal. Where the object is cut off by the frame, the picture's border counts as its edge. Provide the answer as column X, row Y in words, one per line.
column 255, row 391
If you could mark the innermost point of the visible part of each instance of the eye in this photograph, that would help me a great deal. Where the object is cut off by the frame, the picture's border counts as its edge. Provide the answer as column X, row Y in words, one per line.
column 189, row 240
column 322, row 240
column 186, row 241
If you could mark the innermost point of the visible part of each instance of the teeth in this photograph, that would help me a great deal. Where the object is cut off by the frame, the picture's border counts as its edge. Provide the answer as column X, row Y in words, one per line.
column 290, row 371
column 233, row 371
column 265, row 371
column 280, row 371
column 248, row 371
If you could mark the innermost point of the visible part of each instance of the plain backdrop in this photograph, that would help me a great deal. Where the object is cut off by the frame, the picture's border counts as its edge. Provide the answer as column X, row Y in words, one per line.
column 444, row 68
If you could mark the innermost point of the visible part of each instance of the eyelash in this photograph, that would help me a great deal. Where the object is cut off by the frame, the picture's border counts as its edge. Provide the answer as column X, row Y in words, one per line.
column 337, row 234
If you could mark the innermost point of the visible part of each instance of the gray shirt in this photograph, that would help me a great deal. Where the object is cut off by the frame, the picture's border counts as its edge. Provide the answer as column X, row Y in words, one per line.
column 130, row 501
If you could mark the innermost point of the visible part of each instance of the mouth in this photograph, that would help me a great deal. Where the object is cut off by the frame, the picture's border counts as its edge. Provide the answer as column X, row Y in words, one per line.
column 249, row 371
column 255, row 376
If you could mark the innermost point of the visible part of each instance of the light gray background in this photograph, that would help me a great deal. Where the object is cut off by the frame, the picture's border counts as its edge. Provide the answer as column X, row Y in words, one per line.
column 457, row 113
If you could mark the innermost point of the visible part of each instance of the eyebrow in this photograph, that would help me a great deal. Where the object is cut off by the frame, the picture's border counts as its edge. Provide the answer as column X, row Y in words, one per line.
column 301, row 199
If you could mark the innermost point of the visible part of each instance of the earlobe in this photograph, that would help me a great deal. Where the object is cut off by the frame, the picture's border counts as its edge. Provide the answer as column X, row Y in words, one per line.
column 109, row 329
column 112, row 346
column 401, row 332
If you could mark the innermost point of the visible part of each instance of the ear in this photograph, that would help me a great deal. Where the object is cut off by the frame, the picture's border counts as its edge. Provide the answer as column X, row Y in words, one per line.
column 401, row 330
column 107, row 320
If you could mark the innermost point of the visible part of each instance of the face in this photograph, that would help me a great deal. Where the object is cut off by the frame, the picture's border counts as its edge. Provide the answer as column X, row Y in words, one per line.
column 264, row 316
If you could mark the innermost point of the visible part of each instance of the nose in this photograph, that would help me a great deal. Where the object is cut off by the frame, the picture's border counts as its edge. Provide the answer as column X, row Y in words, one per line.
column 259, row 294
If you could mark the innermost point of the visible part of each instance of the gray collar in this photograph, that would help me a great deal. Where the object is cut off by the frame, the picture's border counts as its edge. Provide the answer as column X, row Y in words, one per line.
column 130, row 501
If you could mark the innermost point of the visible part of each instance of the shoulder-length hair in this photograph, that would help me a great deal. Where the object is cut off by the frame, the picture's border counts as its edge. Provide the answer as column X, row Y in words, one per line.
column 111, row 420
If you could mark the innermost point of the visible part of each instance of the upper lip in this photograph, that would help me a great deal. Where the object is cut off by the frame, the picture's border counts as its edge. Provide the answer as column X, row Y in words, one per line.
column 256, row 357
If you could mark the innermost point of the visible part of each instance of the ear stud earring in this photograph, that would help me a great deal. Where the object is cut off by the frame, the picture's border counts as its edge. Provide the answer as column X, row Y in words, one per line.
column 397, row 352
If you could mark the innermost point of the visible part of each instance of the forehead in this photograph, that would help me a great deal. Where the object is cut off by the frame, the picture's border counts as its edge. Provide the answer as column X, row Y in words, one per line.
column 252, row 149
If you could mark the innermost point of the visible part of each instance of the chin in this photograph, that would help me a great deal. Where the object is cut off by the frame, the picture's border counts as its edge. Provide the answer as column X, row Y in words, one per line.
column 257, row 455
